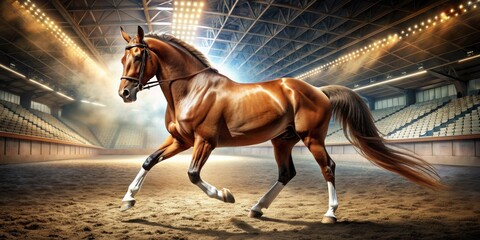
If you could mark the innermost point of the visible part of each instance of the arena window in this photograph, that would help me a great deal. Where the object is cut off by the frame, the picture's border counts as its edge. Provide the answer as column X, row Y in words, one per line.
column 9, row 97
column 389, row 102
column 40, row 107
column 436, row 93
column 474, row 85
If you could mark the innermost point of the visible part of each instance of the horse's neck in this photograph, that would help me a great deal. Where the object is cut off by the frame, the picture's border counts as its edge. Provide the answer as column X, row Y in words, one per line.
column 178, row 90
column 175, row 91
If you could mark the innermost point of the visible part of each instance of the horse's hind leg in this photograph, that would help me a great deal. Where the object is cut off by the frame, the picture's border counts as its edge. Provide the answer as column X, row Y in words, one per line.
column 282, row 147
column 168, row 149
column 327, row 166
column 201, row 151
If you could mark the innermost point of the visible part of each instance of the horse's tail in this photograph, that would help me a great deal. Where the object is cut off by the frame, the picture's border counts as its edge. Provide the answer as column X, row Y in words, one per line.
column 359, row 128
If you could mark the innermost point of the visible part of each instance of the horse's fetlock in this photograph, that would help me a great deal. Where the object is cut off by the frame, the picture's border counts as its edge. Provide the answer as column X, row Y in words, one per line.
column 212, row 193
column 333, row 206
column 194, row 176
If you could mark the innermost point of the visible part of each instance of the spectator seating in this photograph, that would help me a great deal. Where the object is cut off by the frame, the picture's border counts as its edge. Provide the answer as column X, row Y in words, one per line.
column 440, row 117
column 466, row 119
column 82, row 129
column 130, row 137
column 18, row 120
column 106, row 134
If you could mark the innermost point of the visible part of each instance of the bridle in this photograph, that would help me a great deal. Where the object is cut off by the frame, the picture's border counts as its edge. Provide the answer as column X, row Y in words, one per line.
column 151, row 84
column 138, row 80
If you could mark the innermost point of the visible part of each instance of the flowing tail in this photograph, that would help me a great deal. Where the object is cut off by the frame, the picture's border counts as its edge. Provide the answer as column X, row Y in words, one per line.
column 359, row 128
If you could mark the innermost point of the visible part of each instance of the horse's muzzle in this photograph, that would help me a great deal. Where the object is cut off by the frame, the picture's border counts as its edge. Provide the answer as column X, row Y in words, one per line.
column 128, row 95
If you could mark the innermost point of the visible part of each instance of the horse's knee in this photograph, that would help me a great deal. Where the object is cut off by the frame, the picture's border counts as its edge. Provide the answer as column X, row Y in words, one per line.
column 286, row 175
column 153, row 159
column 194, row 176
column 150, row 162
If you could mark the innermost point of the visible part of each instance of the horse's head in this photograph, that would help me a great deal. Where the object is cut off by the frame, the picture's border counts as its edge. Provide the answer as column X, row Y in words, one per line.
column 138, row 66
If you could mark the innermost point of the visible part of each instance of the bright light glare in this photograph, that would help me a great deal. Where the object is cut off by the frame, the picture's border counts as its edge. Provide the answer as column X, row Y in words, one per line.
column 65, row 96
column 390, row 80
column 184, row 23
column 41, row 84
column 11, row 70
column 409, row 31
column 468, row 58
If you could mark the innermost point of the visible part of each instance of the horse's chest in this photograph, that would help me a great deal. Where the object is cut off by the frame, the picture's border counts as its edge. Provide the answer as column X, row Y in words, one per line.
column 181, row 132
column 187, row 118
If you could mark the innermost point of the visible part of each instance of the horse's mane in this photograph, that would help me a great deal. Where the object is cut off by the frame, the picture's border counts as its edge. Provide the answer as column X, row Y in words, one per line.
column 169, row 38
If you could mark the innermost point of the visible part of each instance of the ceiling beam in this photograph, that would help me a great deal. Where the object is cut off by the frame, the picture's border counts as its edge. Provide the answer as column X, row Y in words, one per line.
column 396, row 89
column 147, row 15
column 58, row 73
column 444, row 76
column 221, row 27
column 122, row 8
column 79, row 32
column 380, row 30
column 314, row 23
column 246, row 32
column 300, row 12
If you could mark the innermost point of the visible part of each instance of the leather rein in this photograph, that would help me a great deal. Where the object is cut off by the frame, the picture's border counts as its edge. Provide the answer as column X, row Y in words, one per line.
column 150, row 84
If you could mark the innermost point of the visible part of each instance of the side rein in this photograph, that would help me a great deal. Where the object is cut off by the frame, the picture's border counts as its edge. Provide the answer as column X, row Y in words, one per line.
column 150, row 84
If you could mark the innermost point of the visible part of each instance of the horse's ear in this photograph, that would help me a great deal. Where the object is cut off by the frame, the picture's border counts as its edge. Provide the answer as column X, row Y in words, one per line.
column 140, row 34
column 125, row 35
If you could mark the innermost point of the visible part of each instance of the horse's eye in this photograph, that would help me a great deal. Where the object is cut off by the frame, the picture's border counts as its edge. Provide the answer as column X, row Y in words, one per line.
column 137, row 57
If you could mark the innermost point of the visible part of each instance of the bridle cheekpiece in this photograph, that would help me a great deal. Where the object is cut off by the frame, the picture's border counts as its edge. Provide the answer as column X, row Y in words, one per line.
column 145, row 53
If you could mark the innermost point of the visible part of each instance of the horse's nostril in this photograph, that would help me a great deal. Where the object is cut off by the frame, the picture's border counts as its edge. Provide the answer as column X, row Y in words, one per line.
column 126, row 93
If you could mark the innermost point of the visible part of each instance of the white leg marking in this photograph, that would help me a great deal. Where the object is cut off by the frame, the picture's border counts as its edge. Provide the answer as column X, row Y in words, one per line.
column 268, row 198
column 135, row 186
column 332, row 201
column 210, row 190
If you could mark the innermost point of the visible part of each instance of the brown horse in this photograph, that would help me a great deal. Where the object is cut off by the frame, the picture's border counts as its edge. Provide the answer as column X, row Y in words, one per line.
column 208, row 110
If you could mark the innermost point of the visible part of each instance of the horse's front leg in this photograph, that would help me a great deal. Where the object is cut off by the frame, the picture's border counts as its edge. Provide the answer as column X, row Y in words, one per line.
column 201, row 152
column 168, row 149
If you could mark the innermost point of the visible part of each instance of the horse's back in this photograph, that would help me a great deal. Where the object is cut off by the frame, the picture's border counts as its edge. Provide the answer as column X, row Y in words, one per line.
column 257, row 112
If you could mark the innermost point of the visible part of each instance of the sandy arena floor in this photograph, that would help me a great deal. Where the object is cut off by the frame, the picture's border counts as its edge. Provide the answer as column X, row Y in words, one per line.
column 80, row 199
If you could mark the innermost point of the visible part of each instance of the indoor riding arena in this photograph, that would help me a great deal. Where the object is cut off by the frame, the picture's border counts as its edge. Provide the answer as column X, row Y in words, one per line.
column 331, row 119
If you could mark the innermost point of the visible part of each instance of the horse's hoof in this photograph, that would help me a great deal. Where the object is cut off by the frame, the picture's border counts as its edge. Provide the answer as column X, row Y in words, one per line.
column 255, row 214
column 329, row 220
column 127, row 205
column 227, row 196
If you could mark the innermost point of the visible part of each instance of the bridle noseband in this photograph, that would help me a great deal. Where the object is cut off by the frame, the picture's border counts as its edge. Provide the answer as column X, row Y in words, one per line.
column 142, row 67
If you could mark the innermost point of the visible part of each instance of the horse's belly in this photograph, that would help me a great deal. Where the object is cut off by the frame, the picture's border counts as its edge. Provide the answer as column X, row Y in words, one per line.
column 256, row 135
column 244, row 140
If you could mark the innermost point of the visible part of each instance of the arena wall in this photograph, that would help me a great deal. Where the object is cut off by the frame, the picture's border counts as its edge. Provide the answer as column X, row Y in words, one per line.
column 22, row 150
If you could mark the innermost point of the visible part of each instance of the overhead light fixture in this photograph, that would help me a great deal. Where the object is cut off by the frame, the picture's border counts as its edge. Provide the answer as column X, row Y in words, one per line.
column 93, row 103
column 41, row 84
column 98, row 104
column 65, row 96
column 468, row 58
column 23, row 76
column 391, row 80
column 12, row 71
column 186, row 15
column 415, row 28
column 37, row 14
